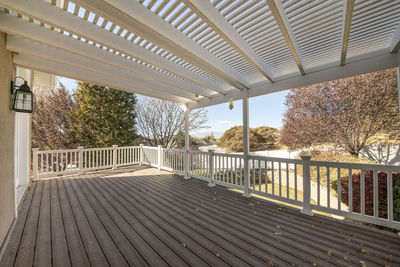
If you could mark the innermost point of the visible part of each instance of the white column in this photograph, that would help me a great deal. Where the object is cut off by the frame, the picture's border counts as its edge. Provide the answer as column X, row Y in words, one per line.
column 306, row 185
column 187, row 112
column 246, row 143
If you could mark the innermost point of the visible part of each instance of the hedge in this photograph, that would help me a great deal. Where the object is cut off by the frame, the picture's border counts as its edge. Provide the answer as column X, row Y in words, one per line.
column 369, row 195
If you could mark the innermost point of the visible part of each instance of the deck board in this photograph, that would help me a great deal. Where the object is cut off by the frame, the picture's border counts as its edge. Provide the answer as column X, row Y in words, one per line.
column 139, row 216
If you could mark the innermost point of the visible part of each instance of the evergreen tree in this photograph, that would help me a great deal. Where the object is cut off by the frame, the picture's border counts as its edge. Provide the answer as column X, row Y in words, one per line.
column 103, row 116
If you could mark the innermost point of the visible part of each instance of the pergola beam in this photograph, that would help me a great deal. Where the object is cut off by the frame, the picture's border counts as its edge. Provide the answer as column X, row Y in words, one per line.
column 284, row 26
column 62, row 57
column 214, row 19
column 35, row 63
column 395, row 42
column 348, row 17
column 62, row 19
column 139, row 19
column 27, row 30
column 354, row 66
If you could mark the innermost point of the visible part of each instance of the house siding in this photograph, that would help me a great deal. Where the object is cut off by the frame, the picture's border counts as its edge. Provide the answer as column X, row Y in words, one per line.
column 7, row 206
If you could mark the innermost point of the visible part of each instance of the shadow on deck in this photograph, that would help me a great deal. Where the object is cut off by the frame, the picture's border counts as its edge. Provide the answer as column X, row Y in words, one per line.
column 140, row 216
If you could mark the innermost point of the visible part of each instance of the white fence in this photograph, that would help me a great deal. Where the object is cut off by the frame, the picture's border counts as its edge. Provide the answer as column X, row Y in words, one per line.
column 49, row 163
column 364, row 192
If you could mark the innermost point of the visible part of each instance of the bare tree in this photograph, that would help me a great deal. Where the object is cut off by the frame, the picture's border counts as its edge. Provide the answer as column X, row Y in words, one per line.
column 162, row 122
column 51, row 120
column 345, row 112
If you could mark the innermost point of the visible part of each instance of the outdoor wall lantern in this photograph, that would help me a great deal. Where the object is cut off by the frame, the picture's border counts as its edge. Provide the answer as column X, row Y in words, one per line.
column 22, row 97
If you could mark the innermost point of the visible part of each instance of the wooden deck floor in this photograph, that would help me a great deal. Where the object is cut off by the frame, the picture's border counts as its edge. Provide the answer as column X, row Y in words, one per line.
column 141, row 217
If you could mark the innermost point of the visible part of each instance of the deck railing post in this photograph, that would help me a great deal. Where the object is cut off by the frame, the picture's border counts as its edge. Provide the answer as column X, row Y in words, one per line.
column 115, row 166
column 211, row 183
column 140, row 154
column 159, row 157
column 35, row 164
column 80, row 159
column 246, row 144
column 187, row 141
column 306, row 185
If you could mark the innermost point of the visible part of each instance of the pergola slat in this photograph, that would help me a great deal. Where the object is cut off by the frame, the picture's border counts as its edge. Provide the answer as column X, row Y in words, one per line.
column 138, row 18
column 208, row 51
column 209, row 14
column 53, row 15
column 30, row 31
column 51, row 67
column 52, row 54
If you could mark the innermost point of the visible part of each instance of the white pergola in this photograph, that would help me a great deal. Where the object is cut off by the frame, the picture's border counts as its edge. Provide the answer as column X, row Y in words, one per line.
column 203, row 52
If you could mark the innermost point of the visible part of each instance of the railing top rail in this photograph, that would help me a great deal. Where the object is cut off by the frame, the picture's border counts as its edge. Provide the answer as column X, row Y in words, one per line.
column 229, row 155
column 356, row 166
column 173, row 150
column 58, row 151
column 97, row 149
column 127, row 147
column 275, row 159
column 198, row 152
column 150, row 147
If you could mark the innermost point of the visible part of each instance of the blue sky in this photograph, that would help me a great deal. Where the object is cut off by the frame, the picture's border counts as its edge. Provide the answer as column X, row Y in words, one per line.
column 266, row 110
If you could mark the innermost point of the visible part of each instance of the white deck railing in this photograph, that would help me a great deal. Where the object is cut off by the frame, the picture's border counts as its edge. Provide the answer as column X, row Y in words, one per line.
column 367, row 188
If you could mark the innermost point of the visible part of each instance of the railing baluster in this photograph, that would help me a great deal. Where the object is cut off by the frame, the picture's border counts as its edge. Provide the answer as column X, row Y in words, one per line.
column 57, row 162
column 328, row 186
column 350, row 188
column 253, row 167
column 318, row 187
column 241, row 171
column 41, row 161
column 273, row 177
column 266, row 176
column 295, row 181
column 259, row 175
column 280, row 179
column 376, row 196
column 390, row 195
column 287, row 180
column 362, row 193
column 339, row 189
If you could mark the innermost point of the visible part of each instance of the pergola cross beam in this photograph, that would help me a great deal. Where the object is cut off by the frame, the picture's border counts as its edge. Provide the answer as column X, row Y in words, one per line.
column 55, row 16
column 284, row 26
column 348, row 16
column 59, row 56
column 137, row 18
column 214, row 19
column 27, row 30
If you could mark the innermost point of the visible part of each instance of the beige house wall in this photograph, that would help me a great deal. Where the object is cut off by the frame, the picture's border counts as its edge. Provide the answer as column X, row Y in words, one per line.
column 7, row 206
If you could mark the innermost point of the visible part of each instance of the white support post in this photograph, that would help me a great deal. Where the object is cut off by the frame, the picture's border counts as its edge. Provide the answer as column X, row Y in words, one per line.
column 141, row 155
column 246, row 143
column 306, row 185
column 159, row 157
column 80, row 160
column 115, row 166
column 211, row 183
column 35, row 164
column 187, row 112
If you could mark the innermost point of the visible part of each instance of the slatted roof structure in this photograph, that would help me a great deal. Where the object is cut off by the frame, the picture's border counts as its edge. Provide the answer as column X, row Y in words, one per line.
column 203, row 52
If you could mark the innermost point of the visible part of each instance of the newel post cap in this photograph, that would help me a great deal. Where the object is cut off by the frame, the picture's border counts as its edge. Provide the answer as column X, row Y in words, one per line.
column 306, row 157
